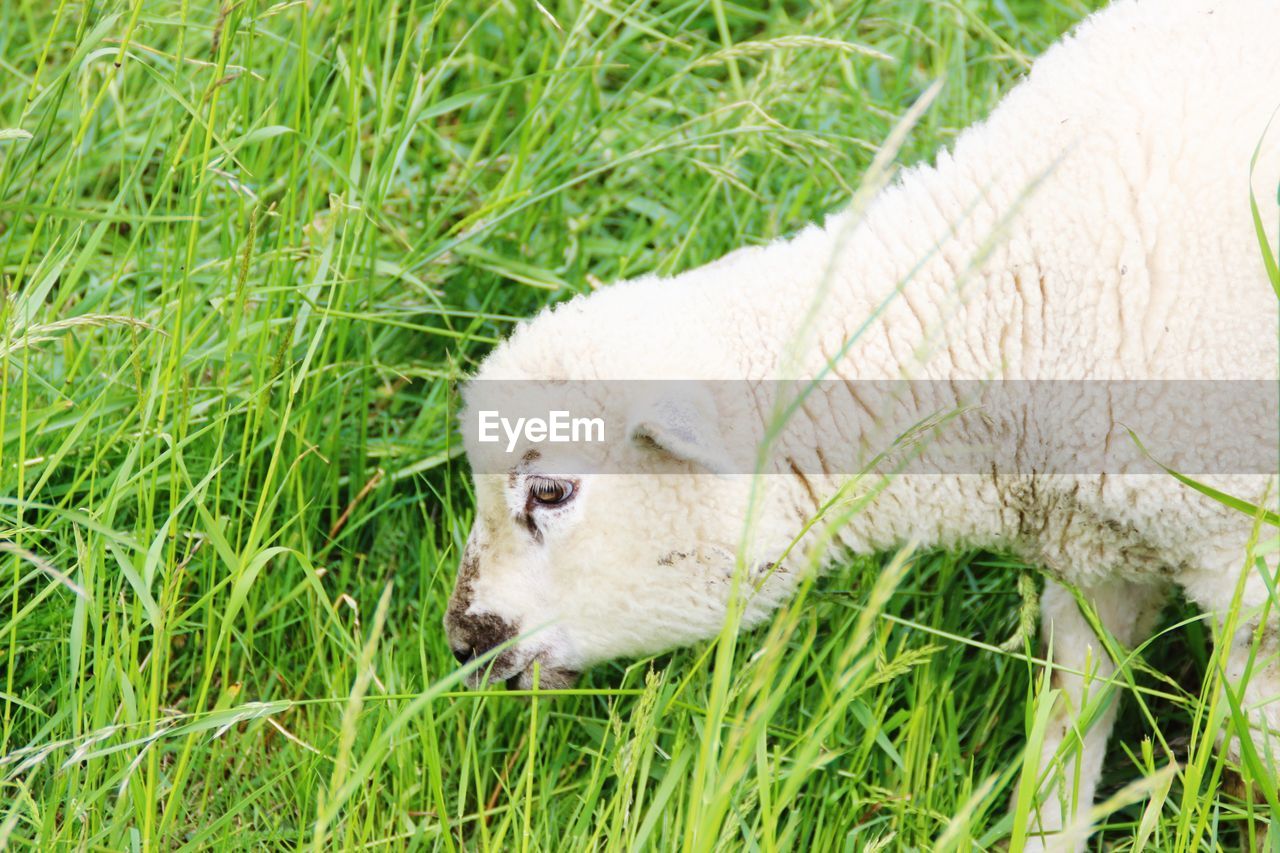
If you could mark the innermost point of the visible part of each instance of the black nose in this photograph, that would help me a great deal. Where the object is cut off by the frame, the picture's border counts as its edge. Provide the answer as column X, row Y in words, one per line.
column 472, row 635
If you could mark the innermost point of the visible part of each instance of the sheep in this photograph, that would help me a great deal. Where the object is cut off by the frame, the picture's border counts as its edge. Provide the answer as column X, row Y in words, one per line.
column 1096, row 226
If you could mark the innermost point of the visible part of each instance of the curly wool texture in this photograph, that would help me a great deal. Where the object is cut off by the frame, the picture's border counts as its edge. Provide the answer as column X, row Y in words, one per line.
column 1096, row 226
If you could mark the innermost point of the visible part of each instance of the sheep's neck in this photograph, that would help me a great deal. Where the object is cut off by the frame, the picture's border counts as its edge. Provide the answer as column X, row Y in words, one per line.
column 922, row 286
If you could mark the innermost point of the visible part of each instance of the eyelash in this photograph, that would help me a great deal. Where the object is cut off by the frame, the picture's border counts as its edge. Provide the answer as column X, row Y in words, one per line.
column 564, row 490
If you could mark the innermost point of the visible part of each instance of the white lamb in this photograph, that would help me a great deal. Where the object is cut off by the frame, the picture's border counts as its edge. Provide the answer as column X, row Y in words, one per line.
column 1097, row 226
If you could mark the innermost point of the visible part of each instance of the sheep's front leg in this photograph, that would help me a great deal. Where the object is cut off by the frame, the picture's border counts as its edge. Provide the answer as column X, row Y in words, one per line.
column 1082, row 670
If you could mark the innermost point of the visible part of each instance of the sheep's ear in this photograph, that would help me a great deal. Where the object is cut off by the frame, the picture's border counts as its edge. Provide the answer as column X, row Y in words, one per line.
column 680, row 420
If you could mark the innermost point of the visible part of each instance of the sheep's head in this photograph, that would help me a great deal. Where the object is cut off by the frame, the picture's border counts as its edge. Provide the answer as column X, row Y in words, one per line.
column 587, row 551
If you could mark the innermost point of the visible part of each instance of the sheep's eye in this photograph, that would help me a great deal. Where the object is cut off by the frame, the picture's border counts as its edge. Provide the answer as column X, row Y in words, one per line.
column 547, row 492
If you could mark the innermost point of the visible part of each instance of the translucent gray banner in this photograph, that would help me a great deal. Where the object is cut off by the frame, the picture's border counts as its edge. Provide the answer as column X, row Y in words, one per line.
column 836, row 427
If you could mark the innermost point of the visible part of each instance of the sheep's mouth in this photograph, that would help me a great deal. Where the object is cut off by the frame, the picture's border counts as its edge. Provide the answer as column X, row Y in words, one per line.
column 549, row 678
column 517, row 677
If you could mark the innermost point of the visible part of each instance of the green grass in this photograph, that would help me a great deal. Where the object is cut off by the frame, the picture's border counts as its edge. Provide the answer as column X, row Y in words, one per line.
column 245, row 256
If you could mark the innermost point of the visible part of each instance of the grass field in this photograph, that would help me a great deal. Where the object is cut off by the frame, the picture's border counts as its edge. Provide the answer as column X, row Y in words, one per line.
column 246, row 253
